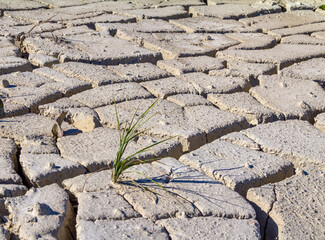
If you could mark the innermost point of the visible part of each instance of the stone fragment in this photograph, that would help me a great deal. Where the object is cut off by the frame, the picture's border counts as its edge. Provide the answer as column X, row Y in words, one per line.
column 285, row 20
column 211, row 25
column 38, row 145
column 244, row 104
column 107, row 205
column 233, row 11
column 297, row 141
column 165, row 87
column 303, row 98
column 94, row 74
column 107, row 95
column 30, row 97
column 65, row 84
column 139, row 228
column 313, row 69
column 139, row 72
column 302, row 39
column 292, row 208
column 97, row 149
column 146, row 26
column 237, row 167
column 4, row 83
column 43, row 212
column 191, row 64
column 55, row 109
column 319, row 35
column 45, row 169
column 81, row 117
column 252, row 41
column 164, row 13
column 13, row 64
column 282, row 54
column 304, row 29
column 42, row 60
column 23, row 126
column 320, row 122
column 206, row 84
column 188, row 100
column 241, row 139
column 211, row 228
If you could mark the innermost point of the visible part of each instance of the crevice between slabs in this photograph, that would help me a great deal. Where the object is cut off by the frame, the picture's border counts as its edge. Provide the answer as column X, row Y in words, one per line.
column 268, row 218
column 20, row 171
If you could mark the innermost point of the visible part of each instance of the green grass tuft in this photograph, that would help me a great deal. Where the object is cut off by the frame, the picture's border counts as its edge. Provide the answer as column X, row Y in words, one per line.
column 127, row 133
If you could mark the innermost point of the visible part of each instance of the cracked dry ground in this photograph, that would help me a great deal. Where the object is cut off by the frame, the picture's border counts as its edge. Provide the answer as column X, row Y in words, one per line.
column 241, row 86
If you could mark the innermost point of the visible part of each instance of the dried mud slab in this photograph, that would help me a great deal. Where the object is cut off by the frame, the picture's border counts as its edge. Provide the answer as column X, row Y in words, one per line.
column 140, row 228
column 140, row 72
column 298, row 141
column 312, row 69
column 44, row 169
column 285, row 20
column 107, row 95
column 94, row 74
column 293, row 208
column 8, row 162
column 239, row 168
column 97, row 149
column 164, row 13
column 210, row 228
column 234, row 11
column 303, row 99
column 195, row 194
column 206, row 84
column 23, row 126
column 190, row 64
column 13, row 64
column 211, row 25
column 282, row 55
column 245, row 105
column 43, row 212
column 193, row 126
